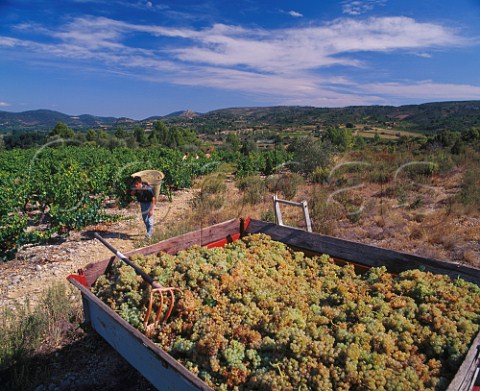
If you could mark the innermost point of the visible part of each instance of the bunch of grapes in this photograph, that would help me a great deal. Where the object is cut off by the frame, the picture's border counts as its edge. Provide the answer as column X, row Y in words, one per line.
column 257, row 315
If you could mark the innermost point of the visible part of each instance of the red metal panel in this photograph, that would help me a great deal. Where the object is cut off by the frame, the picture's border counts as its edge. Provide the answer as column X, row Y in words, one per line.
column 80, row 277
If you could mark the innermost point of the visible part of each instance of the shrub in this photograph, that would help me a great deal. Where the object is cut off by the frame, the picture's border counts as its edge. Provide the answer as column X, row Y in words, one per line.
column 324, row 214
column 253, row 188
column 320, row 175
column 211, row 196
column 308, row 154
column 380, row 173
column 214, row 184
column 288, row 184
column 27, row 331
column 469, row 195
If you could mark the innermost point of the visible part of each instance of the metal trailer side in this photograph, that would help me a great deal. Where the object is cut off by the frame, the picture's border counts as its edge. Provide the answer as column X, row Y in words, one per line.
column 165, row 373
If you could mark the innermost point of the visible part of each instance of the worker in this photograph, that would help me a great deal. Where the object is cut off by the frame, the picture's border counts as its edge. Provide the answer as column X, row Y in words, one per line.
column 146, row 197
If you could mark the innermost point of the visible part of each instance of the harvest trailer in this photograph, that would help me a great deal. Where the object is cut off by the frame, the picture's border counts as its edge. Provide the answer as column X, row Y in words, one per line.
column 165, row 373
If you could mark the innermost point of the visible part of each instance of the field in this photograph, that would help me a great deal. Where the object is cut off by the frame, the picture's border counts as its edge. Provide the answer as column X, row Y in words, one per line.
column 385, row 133
column 417, row 195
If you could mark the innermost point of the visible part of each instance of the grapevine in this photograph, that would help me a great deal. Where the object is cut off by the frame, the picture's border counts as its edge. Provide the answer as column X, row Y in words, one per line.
column 257, row 315
column 64, row 188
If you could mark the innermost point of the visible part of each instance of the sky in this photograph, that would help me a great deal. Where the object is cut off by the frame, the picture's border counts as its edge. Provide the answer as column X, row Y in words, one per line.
column 141, row 58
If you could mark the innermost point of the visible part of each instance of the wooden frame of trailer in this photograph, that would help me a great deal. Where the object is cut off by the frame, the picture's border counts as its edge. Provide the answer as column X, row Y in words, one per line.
column 165, row 373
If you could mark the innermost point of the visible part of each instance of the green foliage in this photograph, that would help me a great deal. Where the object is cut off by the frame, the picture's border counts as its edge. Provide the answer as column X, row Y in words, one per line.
column 233, row 142
column 171, row 136
column 308, row 154
column 64, row 188
column 340, row 137
column 320, row 175
column 249, row 165
column 253, row 188
column 63, row 131
column 447, row 138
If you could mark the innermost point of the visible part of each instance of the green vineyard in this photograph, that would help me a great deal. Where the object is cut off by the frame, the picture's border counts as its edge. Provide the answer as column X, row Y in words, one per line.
column 50, row 191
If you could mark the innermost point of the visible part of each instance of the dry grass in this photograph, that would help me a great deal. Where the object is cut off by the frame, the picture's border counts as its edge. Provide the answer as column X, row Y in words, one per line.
column 472, row 258
column 30, row 331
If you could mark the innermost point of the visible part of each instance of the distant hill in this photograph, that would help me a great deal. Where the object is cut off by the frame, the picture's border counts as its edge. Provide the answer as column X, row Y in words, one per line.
column 45, row 120
column 425, row 118
column 184, row 113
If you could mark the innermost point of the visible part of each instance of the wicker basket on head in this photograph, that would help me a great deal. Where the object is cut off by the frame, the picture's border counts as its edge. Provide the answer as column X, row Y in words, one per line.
column 153, row 178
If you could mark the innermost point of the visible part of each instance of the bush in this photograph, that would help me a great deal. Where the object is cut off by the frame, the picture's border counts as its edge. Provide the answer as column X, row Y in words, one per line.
column 26, row 331
column 212, row 194
column 286, row 184
column 253, row 188
column 320, row 175
column 324, row 214
column 214, row 184
column 308, row 154
column 381, row 173
column 469, row 195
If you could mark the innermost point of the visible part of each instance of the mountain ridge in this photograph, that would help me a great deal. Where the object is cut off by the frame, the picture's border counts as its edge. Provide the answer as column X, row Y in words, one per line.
column 432, row 116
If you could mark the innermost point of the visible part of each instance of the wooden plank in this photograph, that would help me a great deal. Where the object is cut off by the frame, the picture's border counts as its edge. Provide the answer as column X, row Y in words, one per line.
column 466, row 372
column 156, row 365
column 200, row 237
column 372, row 256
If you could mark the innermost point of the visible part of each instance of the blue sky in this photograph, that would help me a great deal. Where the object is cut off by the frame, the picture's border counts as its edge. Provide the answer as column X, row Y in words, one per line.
column 142, row 58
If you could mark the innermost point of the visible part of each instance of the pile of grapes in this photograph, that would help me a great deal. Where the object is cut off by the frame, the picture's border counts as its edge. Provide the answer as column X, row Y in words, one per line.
column 256, row 315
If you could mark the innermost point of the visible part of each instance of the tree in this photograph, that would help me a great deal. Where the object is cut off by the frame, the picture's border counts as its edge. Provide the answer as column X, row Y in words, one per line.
column 471, row 134
column 233, row 142
column 121, row 133
column 248, row 146
column 309, row 154
column 341, row 137
column 447, row 138
column 62, row 131
column 2, row 143
column 91, row 135
column 359, row 142
column 103, row 135
column 140, row 135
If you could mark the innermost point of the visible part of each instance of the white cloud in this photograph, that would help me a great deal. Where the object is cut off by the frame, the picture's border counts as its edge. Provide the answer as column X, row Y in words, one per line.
column 285, row 64
column 263, row 50
column 4, row 104
column 426, row 89
column 423, row 54
column 295, row 14
column 312, row 47
column 358, row 7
